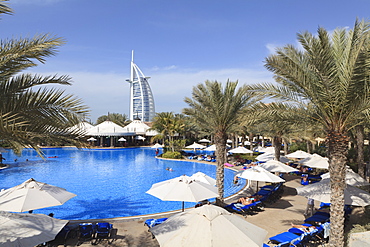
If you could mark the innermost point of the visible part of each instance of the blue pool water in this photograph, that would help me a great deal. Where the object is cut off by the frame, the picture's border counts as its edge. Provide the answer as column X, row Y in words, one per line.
column 108, row 183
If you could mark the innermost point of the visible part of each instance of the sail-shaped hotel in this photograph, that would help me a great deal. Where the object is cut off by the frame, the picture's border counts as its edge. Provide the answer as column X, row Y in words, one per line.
column 141, row 96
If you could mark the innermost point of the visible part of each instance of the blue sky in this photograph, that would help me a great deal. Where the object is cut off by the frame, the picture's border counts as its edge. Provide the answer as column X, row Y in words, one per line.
column 179, row 44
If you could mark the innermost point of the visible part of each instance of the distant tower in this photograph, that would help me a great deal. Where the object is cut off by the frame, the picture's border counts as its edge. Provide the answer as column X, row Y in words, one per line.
column 141, row 97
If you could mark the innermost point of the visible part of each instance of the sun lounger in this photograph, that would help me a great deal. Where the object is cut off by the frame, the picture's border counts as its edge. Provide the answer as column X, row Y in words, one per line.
column 293, row 239
column 61, row 238
column 250, row 209
column 153, row 222
column 86, row 232
column 283, row 238
column 318, row 218
column 103, row 230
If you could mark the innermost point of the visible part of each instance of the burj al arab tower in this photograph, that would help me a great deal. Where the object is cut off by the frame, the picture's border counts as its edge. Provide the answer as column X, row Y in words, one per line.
column 141, row 97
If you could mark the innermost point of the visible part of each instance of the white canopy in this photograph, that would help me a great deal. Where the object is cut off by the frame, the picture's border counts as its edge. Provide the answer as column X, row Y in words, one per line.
column 140, row 138
column 247, row 143
column 136, row 127
column 24, row 230
column 83, row 127
column 213, row 147
column 106, row 128
column 240, row 150
column 157, row 145
column 208, row 226
column 271, row 156
column 31, row 195
column 265, row 149
column 352, row 178
column 183, row 188
column 277, row 166
column 204, row 140
column 257, row 173
column 195, row 146
column 201, row 177
column 316, row 161
column 210, row 148
column 320, row 191
column 299, row 154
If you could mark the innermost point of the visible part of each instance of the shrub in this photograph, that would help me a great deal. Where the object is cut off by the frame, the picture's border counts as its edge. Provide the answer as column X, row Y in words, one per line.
column 172, row 155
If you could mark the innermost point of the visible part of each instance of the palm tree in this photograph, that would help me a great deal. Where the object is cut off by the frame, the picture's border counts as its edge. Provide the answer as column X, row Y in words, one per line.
column 117, row 118
column 26, row 115
column 217, row 110
column 168, row 125
column 328, row 79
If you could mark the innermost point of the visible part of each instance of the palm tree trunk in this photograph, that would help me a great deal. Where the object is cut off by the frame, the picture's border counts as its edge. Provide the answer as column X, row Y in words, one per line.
column 286, row 148
column 360, row 150
column 308, row 145
column 313, row 146
column 220, row 142
column 251, row 141
column 277, row 147
column 337, row 149
column 170, row 143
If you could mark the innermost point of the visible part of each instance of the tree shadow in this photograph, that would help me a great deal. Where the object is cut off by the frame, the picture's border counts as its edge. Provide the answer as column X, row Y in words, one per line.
column 289, row 191
column 114, row 206
column 169, row 226
column 281, row 204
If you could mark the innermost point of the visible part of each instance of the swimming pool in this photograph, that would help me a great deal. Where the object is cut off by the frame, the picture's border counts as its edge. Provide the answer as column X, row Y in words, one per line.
column 108, row 182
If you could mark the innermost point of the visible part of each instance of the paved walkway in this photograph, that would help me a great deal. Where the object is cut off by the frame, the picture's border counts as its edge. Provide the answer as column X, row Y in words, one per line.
column 275, row 218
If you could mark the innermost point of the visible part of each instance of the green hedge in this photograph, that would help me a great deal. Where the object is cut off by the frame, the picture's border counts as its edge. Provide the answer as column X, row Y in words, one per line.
column 172, row 155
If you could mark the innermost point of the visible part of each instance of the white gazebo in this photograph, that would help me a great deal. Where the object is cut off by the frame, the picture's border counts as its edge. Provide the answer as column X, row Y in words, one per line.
column 139, row 128
column 136, row 127
column 106, row 129
column 81, row 127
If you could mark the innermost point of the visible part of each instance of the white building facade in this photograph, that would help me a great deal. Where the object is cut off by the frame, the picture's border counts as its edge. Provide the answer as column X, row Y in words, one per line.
column 141, row 96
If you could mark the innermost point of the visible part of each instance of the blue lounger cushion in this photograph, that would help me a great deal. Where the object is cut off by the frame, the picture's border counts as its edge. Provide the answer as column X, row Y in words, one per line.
column 317, row 218
column 243, row 208
column 153, row 222
column 268, row 187
column 103, row 230
column 296, row 231
column 321, row 213
column 264, row 192
column 283, row 237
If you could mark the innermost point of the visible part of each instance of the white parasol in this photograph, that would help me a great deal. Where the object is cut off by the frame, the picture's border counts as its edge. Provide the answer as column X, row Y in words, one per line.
column 25, row 230
column 183, row 189
column 208, row 226
column 31, row 195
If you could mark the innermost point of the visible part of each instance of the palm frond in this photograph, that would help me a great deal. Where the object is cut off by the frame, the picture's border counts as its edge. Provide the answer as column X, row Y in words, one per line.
column 19, row 54
column 4, row 8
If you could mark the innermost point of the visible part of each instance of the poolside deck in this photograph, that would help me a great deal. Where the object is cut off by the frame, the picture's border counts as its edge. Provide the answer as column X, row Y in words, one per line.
column 277, row 217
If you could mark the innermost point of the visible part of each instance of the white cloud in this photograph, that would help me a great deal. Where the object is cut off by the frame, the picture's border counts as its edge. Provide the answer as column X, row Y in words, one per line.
column 171, row 67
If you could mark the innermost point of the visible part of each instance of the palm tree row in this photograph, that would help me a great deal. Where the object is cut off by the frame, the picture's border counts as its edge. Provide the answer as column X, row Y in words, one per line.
column 329, row 81
column 325, row 86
